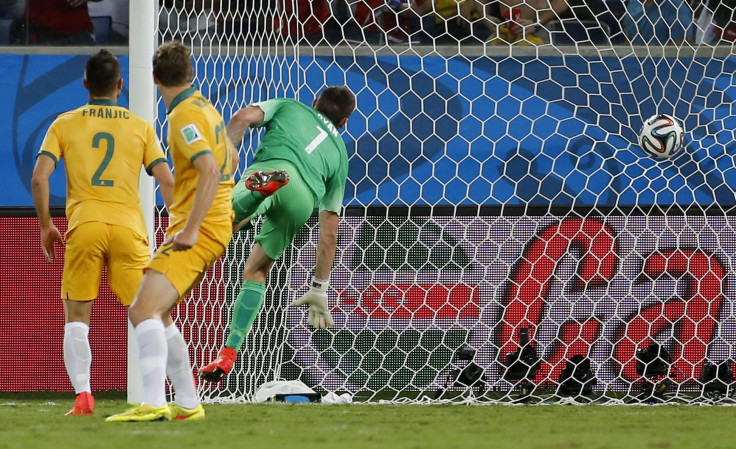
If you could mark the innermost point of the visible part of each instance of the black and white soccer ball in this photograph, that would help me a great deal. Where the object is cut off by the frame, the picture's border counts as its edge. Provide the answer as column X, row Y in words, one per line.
column 661, row 136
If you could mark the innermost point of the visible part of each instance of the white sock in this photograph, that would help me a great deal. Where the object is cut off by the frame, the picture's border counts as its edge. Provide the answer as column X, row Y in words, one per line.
column 77, row 355
column 179, row 369
column 152, row 355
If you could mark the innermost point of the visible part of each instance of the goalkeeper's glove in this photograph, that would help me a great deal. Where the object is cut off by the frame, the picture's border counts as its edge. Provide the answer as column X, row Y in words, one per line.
column 316, row 297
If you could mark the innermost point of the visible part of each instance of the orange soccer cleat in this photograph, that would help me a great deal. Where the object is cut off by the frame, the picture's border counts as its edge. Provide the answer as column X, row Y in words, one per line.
column 267, row 182
column 222, row 365
column 83, row 405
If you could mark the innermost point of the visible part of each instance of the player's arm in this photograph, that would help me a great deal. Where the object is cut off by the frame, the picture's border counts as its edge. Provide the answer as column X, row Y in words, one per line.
column 209, row 182
column 329, row 217
column 233, row 150
column 327, row 245
column 242, row 120
column 157, row 166
column 40, row 191
column 162, row 173
column 319, row 312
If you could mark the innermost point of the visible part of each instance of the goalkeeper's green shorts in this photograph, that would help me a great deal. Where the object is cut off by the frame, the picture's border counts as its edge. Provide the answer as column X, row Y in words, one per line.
column 284, row 212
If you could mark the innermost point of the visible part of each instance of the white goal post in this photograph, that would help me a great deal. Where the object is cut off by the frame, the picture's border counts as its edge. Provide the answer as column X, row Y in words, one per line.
column 504, row 238
column 141, row 43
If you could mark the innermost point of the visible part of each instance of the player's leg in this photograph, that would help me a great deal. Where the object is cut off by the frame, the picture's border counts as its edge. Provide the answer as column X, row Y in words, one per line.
column 128, row 258
column 251, row 295
column 179, row 370
column 156, row 296
column 246, row 308
column 154, row 301
column 267, row 182
column 78, row 354
column 84, row 260
column 287, row 212
column 258, row 183
column 170, row 277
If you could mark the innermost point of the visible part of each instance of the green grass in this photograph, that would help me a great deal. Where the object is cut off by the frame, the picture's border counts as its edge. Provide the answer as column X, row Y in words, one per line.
column 33, row 422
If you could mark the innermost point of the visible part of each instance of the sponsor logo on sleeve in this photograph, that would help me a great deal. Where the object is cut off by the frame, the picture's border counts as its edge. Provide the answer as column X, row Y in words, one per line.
column 191, row 133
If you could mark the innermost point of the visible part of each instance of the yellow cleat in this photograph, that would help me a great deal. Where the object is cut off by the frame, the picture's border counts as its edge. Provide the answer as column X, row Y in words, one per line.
column 142, row 413
column 529, row 40
column 178, row 413
column 502, row 36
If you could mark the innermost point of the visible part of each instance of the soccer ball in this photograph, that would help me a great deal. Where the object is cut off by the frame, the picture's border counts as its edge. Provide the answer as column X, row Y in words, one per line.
column 661, row 136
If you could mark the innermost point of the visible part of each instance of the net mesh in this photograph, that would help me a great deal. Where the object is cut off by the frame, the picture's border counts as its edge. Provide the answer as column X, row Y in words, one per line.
column 505, row 237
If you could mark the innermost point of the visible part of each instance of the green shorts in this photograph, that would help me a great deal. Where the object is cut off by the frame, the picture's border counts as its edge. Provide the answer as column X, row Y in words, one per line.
column 284, row 212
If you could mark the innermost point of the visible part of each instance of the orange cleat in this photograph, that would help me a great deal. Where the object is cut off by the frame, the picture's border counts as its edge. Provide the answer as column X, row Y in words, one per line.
column 267, row 182
column 83, row 405
column 222, row 365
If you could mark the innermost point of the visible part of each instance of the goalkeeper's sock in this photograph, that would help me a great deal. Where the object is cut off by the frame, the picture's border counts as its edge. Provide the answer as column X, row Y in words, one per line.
column 152, row 353
column 245, row 310
column 77, row 355
column 179, row 369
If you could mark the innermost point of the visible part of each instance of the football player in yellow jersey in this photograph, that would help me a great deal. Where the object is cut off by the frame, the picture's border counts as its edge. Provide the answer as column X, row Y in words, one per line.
column 103, row 146
column 200, row 230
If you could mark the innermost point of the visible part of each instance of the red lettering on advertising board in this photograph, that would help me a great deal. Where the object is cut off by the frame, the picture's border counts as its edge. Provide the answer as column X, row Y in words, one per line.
column 421, row 301
column 573, row 338
column 525, row 297
column 692, row 317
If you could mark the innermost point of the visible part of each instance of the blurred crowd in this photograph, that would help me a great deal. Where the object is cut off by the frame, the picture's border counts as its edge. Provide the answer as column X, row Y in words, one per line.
column 526, row 22
column 63, row 22
column 376, row 22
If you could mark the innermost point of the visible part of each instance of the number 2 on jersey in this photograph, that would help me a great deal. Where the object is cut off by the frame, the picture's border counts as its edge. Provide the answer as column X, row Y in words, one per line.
column 316, row 141
column 110, row 140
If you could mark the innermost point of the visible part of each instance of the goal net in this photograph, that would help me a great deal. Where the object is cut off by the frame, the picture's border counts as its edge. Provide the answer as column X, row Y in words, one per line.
column 505, row 238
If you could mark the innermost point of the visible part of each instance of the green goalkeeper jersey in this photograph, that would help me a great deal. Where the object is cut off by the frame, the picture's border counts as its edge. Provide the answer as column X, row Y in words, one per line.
column 308, row 140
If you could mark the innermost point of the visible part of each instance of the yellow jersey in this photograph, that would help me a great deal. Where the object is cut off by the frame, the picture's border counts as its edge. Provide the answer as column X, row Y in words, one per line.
column 450, row 10
column 103, row 146
column 447, row 9
column 197, row 128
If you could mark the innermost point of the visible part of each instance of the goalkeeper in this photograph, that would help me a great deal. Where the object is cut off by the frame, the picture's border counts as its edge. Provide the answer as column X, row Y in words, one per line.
column 301, row 163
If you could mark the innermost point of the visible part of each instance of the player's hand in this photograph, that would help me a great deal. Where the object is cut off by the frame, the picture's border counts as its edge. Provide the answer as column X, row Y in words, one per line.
column 319, row 314
column 182, row 240
column 241, row 224
column 49, row 236
column 526, row 25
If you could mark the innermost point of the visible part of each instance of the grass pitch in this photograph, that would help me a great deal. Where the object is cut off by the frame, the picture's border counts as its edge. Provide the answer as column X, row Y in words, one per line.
column 38, row 422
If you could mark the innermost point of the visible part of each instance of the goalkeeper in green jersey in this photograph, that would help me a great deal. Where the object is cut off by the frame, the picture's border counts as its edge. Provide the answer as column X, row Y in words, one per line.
column 300, row 164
